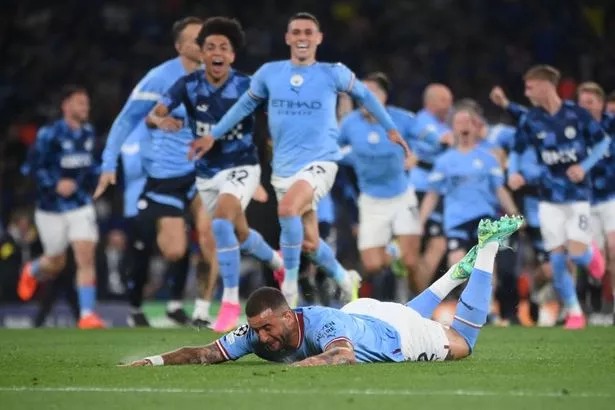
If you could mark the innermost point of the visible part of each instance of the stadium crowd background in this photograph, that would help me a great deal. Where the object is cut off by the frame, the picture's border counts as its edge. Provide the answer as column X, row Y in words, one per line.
column 107, row 46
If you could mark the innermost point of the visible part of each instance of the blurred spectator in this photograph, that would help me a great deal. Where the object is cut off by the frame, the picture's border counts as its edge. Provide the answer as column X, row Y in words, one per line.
column 111, row 266
column 18, row 244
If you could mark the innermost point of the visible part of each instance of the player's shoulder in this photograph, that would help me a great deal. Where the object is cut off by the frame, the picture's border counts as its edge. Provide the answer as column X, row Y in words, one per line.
column 352, row 117
column 51, row 129
column 447, row 157
column 424, row 117
column 572, row 107
column 486, row 153
column 501, row 128
column 239, row 77
column 319, row 315
column 608, row 122
column 330, row 68
column 164, row 69
column 398, row 112
column 88, row 127
column 194, row 76
column 273, row 66
column 242, row 333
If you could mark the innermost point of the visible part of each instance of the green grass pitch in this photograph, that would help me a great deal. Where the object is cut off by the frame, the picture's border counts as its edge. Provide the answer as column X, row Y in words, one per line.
column 514, row 368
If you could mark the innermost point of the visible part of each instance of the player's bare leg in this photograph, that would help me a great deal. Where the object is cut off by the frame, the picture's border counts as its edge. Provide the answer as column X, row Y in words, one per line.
column 455, row 256
column 374, row 259
column 410, row 246
column 429, row 262
column 171, row 238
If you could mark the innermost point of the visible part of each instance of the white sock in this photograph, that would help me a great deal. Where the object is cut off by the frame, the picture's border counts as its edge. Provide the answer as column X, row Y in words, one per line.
column 201, row 309
column 231, row 295
column 443, row 286
column 84, row 312
column 485, row 257
column 276, row 261
column 173, row 305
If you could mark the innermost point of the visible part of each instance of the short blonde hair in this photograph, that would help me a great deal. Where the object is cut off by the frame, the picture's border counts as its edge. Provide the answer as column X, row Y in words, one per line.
column 543, row 72
column 593, row 88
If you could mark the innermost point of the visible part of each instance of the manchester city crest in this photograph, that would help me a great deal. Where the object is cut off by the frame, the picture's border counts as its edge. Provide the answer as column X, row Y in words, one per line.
column 296, row 80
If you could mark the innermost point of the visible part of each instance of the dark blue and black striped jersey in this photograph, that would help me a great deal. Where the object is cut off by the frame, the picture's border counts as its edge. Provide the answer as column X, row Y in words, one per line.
column 61, row 152
column 560, row 141
column 205, row 106
column 603, row 173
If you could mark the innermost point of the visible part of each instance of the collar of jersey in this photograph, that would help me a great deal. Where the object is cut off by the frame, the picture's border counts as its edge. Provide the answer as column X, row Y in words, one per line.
column 300, row 326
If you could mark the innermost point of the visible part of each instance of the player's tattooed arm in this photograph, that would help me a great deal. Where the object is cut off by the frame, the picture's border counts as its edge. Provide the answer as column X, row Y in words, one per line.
column 338, row 352
column 210, row 354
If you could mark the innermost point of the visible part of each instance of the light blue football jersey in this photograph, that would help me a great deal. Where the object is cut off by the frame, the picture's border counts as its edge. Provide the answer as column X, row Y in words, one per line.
column 134, row 173
column 373, row 340
column 164, row 154
column 378, row 162
column 468, row 183
column 427, row 131
column 301, row 109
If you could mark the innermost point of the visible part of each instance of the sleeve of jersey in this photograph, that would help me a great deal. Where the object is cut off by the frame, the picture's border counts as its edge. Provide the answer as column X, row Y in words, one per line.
column 238, row 343
column 174, row 95
column 258, row 87
column 516, row 111
column 496, row 175
column 131, row 115
column 437, row 178
column 597, row 152
column 506, row 139
column 521, row 137
column 330, row 330
column 514, row 161
column 246, row 104
column 409, row 120
column 359, row 91
column 35, row 164
column 426, row 131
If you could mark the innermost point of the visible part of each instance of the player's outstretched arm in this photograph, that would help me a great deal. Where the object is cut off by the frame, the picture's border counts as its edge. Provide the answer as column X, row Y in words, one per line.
column 338, row 352
column 210, row 354
column 159, row 117
column 245, row 106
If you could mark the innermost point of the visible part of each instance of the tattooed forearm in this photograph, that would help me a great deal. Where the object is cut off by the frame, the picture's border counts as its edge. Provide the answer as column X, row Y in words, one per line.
column 337, row 355
column 209, row 354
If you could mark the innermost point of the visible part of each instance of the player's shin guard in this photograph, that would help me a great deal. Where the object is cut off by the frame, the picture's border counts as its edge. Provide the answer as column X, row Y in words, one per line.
column 291, row 240
column 475, row 300
column 256, row 246
column 227, row 249
column 562, row 281
column 325, row 259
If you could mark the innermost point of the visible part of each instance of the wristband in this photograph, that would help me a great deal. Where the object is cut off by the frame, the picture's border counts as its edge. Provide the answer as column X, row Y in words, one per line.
column 155, row 360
